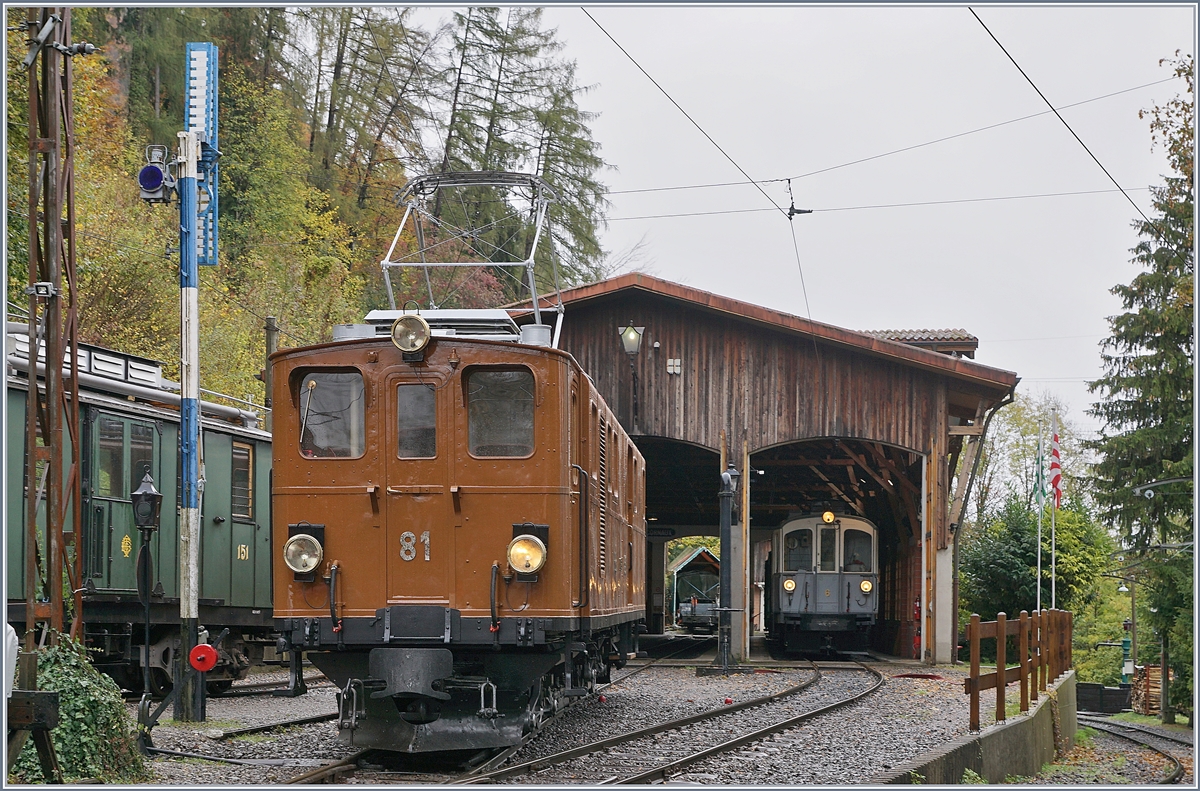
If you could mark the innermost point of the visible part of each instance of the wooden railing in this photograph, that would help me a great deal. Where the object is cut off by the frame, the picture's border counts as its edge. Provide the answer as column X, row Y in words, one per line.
column 1043, row 652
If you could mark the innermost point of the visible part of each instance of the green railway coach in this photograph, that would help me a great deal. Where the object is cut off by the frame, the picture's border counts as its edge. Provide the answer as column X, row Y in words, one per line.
column 129, row 422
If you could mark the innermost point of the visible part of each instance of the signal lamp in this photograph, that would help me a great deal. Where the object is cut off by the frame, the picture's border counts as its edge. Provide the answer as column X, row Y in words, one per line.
column 155, row 180
column 410, row 333
column 302, row 553
column 789, row 585
column 526, row 554
column 865, row 586
column 828, row 517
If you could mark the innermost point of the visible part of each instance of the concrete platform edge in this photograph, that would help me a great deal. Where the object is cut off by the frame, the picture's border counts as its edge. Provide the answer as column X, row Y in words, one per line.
column 1020, row 745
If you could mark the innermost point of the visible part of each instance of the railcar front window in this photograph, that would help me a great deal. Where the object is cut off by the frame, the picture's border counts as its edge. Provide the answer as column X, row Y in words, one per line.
column 111, row 462
column 141, row 453
column 243, row 481
column 417, row 419
column 332, row 416
column 500, row 413
column 856, row 551
column 797, row 550
column 829, row 548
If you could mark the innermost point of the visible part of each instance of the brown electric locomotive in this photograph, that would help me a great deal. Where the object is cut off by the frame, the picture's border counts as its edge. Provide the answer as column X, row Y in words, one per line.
column 460, row 529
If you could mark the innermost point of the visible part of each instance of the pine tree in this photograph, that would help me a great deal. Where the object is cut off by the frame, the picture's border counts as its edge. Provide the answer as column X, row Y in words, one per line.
column 1147, row 398
column 1146, row 391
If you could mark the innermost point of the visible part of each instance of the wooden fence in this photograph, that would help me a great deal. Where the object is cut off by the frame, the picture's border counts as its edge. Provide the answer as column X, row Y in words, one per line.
column 1043, row 653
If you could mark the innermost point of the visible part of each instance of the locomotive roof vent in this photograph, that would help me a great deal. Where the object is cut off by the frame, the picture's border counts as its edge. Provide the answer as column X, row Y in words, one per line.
column 488, row 324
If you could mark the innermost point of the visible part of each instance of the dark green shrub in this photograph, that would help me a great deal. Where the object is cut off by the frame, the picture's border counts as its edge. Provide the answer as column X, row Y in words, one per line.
column 95, row 736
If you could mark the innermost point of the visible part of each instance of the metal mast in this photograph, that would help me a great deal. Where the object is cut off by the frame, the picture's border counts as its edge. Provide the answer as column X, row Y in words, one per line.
column 53, row 408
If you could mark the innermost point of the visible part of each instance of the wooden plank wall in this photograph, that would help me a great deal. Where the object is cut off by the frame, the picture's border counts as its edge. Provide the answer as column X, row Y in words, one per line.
column 766, row 386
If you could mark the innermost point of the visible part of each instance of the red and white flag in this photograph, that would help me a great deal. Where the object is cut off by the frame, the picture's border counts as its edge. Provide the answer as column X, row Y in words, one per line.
column 1055, row 475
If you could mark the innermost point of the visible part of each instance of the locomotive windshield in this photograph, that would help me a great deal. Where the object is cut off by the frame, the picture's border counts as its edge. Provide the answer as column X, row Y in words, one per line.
column 500, row 413
column 856, row 554
column 332, row 418
column 798, row 550
column 416, row 416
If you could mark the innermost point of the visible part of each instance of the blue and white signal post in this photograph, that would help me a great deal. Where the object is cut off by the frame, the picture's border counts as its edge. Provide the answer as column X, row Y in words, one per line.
column 197, row 185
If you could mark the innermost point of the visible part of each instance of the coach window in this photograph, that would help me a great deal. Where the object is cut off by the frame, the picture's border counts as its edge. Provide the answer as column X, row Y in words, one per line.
column 417, row 422
column 500, row 412
column 828, row 549
column 243, row 482
column 797, row 550
column 111, row 462
column 332, row 415
column 856, row 551
column 141, row 453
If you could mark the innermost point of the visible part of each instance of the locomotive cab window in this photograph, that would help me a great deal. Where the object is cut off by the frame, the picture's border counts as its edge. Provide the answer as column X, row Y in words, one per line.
column 242, row 484
column 417, row 422
column 797, row 550
column 856, row 550
column 332, row 415
column 500, row 412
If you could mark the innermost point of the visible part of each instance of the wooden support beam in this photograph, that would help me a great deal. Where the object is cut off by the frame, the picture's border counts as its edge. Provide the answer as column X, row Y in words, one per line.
column 958, row 503
column 856, row 506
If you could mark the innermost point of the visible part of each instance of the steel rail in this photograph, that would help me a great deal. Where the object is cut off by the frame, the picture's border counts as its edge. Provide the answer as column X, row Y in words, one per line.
column 247, row 690
column 1131, row 726
column 270, row 726
column 562, row 757
column 497, row 760
column 1113, row 729
column 322, row 773
column 662, row 772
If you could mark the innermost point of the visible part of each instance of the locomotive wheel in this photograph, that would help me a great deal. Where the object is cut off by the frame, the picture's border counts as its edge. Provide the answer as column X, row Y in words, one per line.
column 219, row 687
column 161, row 682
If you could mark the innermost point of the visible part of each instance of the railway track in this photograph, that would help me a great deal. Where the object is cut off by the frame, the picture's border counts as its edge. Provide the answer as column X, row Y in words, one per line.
column 656, row 753
column 351, row 764
column 1150, row 739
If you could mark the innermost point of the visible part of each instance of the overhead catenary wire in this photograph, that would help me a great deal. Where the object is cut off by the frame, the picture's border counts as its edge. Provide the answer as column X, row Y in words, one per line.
column 740, row 169
column 1095, row 159
column 877, row 205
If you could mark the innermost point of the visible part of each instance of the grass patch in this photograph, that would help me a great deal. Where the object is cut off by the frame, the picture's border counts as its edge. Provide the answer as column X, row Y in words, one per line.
column 224, row 725
column 1085, row 736
column 1181, row 722
column 253, row 738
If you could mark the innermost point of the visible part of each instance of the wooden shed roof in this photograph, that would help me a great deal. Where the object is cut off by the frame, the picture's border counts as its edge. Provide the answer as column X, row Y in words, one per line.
column 867, row 343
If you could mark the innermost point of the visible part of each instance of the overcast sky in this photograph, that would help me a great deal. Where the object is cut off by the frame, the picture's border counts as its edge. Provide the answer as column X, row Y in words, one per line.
column 786, row 91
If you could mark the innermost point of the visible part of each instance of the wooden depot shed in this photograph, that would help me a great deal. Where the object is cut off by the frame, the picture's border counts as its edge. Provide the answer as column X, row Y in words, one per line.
column 888, row 423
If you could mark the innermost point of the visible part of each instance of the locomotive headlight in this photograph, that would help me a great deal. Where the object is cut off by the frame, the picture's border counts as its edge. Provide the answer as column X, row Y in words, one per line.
column 526, row 554
column 828, row 517
column 302, row 553
column 789, row 585
column 410, row 333
column 865, row 586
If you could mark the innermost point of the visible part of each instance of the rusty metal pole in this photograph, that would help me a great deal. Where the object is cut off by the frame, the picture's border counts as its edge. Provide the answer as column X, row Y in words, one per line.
column 51, row 250
column 272, row 329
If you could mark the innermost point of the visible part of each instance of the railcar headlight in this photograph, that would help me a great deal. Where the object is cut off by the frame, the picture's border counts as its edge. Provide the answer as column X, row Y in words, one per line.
column 828, row 517
column 302, row 553
column 865, row 586
column 526, row 554
column 789, row 585
column 410, row 333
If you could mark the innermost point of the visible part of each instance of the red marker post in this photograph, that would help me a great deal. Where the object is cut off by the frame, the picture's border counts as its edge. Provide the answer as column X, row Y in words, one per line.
column 203, row 658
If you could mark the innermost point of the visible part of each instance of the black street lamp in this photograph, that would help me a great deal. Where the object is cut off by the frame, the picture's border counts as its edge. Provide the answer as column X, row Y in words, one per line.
column 147, row 505
column 631, row 340
column 729, row 482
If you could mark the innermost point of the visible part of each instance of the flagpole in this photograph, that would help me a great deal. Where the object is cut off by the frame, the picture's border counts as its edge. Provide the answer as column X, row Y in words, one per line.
column 1053, row 511
column 1039, row 484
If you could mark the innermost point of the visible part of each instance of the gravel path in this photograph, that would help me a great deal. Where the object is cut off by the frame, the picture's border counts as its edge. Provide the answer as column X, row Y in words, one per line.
column 903, row 720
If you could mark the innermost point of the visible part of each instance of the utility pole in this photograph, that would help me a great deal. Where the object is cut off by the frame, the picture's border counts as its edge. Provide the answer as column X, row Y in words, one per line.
column 51, row 328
